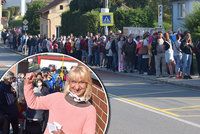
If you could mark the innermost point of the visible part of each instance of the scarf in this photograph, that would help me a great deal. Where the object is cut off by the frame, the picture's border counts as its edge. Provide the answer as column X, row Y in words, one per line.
column 76, row 98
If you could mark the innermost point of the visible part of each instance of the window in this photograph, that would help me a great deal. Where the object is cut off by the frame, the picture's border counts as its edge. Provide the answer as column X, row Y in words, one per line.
column 61, row 7
column 181, row 10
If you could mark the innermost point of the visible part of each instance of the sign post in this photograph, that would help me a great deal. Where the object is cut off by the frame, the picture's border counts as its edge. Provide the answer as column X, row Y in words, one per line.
column 160, row 16
column 25, row 27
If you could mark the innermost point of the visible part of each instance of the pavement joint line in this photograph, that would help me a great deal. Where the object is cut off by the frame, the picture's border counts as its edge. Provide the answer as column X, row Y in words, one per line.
column 185, row 107
column 146, row 106
column 164, row 92
column 189, row 116
column 189, row 109
column 168, row 98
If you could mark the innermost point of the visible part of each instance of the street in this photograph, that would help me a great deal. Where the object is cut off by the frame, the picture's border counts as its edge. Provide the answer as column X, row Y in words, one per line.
column 146, row 107
column 141, row 106
column 7, row 59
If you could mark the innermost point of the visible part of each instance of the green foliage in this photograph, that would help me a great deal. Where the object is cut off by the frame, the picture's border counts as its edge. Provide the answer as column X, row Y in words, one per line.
column 6, row 13
column 84, row 5
column 192, row 23
column 33, row 17
column 15, row 23
column 136, row 3
column 16, row 11
column 78, row 23
column 12, row 11
column 133, row 18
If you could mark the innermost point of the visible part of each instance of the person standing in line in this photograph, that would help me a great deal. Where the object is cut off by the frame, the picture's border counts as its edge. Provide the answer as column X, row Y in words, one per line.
column 8, row 105
column 186, row 48
column 178, row 56
column 160, row 56
column 169, row 54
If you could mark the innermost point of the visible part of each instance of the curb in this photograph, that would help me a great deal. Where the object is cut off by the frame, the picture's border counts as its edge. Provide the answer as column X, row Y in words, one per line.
column 2, row 45
column 152, row 78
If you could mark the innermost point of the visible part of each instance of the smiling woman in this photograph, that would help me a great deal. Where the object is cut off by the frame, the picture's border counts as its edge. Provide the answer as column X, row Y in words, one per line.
column 74, row 103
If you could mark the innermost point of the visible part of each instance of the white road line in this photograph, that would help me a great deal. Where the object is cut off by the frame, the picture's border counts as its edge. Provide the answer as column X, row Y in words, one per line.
column 154, row 111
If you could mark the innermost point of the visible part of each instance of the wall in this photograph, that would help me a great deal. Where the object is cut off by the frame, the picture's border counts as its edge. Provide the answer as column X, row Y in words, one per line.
column 54, row 19
column 100, row 102
column 178, row 23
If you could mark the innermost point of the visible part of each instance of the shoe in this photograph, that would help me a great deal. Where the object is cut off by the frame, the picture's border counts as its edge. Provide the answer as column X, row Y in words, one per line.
column 145, row 73
column 125, row 71
column 185, row 77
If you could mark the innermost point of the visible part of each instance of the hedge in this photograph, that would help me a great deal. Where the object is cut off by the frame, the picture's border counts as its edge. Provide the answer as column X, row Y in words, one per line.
column 78, row 23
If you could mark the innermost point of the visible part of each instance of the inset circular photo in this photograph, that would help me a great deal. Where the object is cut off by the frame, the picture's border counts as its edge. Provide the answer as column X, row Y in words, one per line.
column 52, row 93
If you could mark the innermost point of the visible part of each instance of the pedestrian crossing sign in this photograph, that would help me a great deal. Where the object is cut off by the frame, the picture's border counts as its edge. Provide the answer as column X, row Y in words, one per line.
column 106, row 19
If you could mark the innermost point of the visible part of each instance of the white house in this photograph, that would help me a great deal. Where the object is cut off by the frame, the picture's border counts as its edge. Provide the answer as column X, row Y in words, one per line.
column 180, row 9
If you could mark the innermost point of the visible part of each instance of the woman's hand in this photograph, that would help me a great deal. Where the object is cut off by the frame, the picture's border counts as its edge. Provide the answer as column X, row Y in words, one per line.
column 30, row 77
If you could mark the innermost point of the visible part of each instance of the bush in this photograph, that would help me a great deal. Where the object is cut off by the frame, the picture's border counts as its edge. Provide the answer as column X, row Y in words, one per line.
column 78, row 23
column 133, row 18
column 15, row 23
column 6, row 13
column 192, row 23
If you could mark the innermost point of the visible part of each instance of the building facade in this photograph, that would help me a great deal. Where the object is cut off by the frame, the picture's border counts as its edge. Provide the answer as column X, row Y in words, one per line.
column 50, row 17
column 180, row 9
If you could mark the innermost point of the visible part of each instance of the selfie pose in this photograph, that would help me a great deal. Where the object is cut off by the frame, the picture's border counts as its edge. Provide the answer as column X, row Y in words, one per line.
column 69, row 112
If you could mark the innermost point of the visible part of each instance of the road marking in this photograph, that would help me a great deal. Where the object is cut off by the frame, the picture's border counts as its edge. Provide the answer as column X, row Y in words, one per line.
column 145, row 106
column 164, row 92
column 185, row 107
column 154, row 111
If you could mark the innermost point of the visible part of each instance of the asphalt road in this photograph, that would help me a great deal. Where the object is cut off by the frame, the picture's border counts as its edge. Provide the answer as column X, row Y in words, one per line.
column 145, row 107
column 142, row 107
column 7, row 59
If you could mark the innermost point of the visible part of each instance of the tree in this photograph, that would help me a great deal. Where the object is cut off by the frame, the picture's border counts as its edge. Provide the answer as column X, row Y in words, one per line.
column 192, row 23
column 84, row 5
column 133, row 18
column 33, row 17
column 136, row 3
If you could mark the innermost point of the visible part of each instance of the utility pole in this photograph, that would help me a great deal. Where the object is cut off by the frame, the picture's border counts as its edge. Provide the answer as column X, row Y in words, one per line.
column 106, row 27
column 1, row 26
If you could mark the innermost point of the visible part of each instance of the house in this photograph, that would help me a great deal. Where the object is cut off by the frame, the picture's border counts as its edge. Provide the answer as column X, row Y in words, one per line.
column 50, row 17
column 180, row 9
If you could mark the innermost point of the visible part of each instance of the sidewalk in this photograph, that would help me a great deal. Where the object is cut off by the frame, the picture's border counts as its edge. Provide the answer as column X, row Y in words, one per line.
column 5, row 46
column 190, row 83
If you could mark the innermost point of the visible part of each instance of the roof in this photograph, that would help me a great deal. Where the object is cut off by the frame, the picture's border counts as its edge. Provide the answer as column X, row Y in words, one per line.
column 50, row 5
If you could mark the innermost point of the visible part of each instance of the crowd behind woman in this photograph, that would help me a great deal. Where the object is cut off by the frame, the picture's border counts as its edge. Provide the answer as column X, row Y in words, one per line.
column 13, row 108
column 153, row 53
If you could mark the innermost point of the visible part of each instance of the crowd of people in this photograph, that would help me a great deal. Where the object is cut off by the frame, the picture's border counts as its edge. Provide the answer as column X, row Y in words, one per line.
column 156, row 53
column 21, row 101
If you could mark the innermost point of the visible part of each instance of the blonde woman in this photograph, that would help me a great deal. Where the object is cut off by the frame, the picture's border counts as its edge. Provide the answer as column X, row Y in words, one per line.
column 69, row 112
